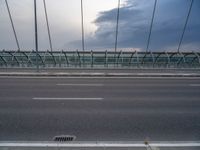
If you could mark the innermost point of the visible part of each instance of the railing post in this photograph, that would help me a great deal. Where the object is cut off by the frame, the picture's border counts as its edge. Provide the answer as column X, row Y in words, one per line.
column 60, row 59
column 106, row 59
column 92, row 59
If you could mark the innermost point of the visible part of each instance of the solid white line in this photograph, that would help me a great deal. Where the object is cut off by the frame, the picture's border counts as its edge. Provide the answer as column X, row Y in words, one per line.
column 175, row 144
column 72, row 98
column 194, row 84
column 63, row 84
column 100, row 144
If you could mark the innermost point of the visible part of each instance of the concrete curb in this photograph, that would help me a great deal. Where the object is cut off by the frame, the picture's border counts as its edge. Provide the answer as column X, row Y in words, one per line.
column 92, row 145
column 101, row 144
column 85, row 74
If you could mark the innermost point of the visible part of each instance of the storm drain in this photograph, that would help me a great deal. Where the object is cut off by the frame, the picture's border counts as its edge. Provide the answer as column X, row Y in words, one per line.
column 64, row 138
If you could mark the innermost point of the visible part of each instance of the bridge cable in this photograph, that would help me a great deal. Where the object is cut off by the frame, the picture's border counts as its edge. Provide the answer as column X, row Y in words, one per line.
column 48, row 28
column 117, row 28
column 185, row 25
column 150, row 30
column 82, row 29
column 36, row 35
column 13, row 27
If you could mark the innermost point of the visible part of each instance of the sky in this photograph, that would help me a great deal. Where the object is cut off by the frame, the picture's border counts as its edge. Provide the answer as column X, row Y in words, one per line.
column 100, row 24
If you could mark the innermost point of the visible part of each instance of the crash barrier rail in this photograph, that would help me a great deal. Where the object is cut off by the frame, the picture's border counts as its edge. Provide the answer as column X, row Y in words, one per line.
column 98, row 59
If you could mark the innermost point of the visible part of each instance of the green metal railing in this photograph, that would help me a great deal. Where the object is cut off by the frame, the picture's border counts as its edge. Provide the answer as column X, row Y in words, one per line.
column 99, row 59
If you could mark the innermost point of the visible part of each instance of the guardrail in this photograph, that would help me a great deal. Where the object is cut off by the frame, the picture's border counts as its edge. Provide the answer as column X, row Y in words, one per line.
column 99, row 59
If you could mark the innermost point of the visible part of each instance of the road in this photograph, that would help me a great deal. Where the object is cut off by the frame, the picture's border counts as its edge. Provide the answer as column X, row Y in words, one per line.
column 114, row 109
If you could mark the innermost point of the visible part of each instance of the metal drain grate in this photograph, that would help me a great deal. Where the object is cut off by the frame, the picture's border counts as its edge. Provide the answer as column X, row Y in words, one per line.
column 64, row 138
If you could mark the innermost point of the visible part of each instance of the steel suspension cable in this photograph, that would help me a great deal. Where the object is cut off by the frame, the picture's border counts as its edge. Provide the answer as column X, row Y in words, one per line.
column 150, row 30
column 83, row 34
column 82, row 27
column 48, row 28
column 117, row 28
column 185, row 25
column 13, row 27
column 36, row 34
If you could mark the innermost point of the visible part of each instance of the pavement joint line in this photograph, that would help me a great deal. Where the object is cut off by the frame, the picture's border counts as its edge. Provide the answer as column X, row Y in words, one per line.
column 68, row 98
column 194, row 84
column 63, row 84
column 101, row 144
column 95, row 77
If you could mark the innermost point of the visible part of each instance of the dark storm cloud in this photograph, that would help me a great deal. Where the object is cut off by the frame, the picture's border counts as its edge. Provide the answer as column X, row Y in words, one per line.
column 135, row 17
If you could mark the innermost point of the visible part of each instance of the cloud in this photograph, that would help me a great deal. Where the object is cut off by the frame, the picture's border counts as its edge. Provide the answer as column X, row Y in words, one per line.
column 134, row 23
column 135, row 17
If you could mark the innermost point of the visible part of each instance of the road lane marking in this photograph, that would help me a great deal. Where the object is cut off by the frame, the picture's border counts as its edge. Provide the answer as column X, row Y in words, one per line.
column 101, row 144
column 68, row 98
column 194, row 84
column 63, row 84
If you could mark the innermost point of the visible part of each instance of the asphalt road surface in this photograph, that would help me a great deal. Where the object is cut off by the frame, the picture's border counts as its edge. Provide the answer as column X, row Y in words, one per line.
column 114, row 109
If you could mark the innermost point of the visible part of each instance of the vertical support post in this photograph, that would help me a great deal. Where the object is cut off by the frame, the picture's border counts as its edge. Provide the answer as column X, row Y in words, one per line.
column 36, row 34
column 106, row 61
column 138, row 59
column 60, row 59
column 92, row 59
